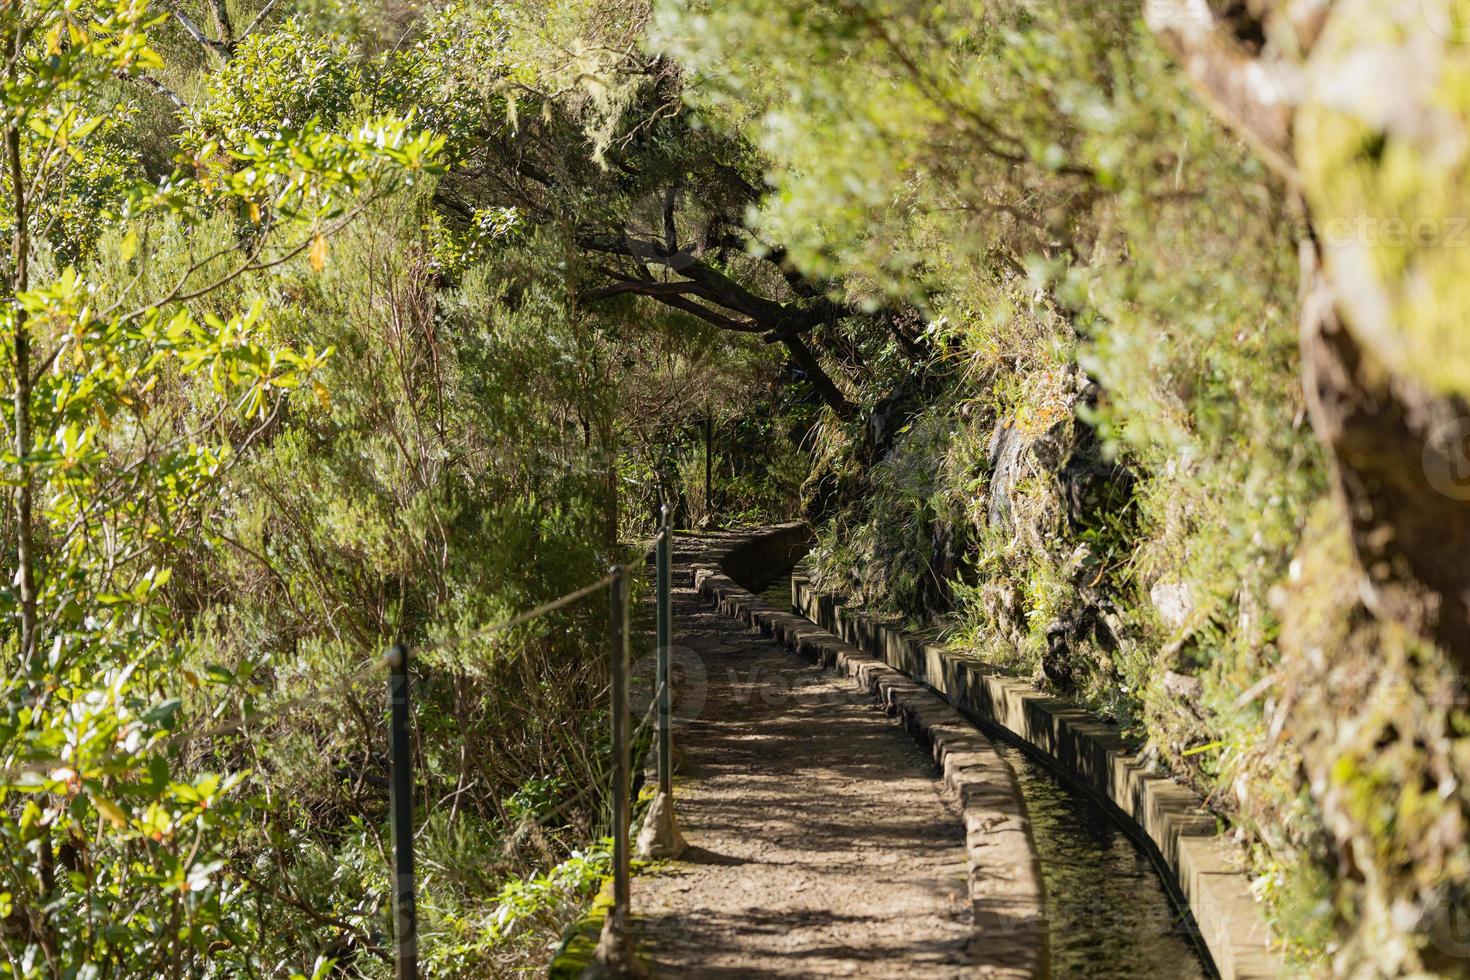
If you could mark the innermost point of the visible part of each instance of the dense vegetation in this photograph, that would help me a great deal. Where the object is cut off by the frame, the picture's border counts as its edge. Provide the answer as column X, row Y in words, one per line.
column 334, row 324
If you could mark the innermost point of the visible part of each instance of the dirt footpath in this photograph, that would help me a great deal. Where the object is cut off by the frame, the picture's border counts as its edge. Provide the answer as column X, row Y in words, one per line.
column 821, row 841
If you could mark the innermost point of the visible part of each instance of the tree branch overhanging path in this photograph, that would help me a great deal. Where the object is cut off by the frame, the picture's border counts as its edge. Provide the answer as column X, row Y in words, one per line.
column 671, row 239
column 716, row 298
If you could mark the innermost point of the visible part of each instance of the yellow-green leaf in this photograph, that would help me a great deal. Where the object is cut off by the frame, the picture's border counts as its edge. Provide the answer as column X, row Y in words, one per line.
column 110, row 810
column 318, row 252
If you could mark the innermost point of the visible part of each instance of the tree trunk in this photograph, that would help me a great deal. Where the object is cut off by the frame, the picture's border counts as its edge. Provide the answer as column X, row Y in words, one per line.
column 610, row 486
column 1398, row 451
column 25, row 492
column 821, row 382
column 1400, row 466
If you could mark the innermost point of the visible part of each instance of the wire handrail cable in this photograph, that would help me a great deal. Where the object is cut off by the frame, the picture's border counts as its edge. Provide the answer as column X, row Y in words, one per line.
column 519, row 618
column 46, row 766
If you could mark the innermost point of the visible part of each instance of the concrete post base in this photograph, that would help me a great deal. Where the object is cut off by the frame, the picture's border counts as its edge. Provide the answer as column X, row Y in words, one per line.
column 615, row 957
column 659, row 836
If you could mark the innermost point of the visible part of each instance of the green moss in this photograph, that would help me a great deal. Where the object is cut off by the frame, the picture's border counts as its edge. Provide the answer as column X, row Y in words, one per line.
column 579, row 942
column 1395, row 223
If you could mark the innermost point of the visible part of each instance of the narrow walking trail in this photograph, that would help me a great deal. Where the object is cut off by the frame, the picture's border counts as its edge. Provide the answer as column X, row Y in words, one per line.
column 821, row 843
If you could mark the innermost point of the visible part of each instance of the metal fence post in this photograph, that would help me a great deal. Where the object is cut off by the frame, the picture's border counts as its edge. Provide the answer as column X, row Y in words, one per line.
column 659, row 836
column 405, row 914
column 622, row 762
column 665, row 642
column 615, row 956
column 709, row 478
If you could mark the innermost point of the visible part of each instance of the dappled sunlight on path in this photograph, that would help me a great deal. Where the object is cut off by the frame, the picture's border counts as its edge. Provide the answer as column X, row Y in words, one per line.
column 821, row 842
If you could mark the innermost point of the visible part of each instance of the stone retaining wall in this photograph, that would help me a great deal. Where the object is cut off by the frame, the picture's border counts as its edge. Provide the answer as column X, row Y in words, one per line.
column 1165, row 816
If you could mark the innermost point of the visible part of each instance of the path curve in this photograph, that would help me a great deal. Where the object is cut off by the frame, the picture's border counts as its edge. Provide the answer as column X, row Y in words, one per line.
column 822, row 842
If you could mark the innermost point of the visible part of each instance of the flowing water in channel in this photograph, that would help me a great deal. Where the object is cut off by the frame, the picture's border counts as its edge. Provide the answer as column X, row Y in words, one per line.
column 1108, row 912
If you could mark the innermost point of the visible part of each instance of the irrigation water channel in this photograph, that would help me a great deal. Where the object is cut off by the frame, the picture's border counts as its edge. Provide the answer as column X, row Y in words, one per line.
column 1108, row 913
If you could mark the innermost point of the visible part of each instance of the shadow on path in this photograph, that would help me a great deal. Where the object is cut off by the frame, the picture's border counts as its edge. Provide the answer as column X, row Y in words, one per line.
column 821, row 842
